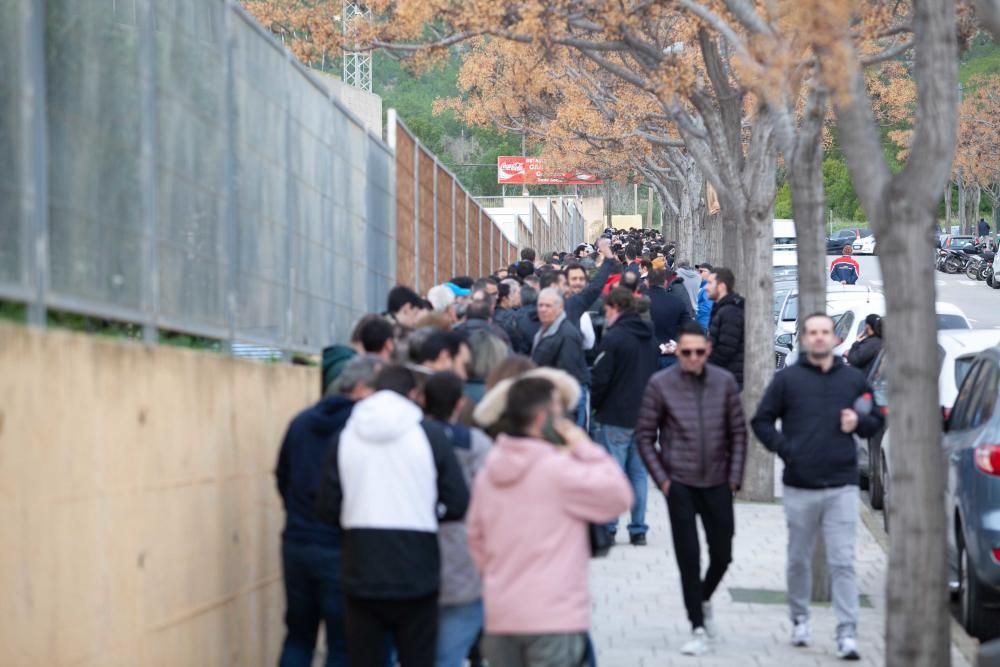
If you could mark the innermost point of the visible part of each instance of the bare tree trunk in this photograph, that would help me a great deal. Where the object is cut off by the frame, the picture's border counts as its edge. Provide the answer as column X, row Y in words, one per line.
column 977, row 200
column 962, row 218
column 902, row 209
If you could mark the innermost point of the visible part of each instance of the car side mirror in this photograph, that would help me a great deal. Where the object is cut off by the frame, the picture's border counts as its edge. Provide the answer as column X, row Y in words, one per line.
column 945, row 419
column 785, row 340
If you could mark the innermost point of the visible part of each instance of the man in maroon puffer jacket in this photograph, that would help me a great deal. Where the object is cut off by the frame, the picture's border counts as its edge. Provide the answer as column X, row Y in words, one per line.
column 697, row 462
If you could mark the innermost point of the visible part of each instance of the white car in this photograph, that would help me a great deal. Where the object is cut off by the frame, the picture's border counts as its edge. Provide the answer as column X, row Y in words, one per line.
column 865, row 245
column 957, row 348
column 785, row 263
column 848, row 305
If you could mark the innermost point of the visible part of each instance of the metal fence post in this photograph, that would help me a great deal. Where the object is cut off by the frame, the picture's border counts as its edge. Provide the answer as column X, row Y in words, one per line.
column 147, row 166
column 231, row 239
column 416, row 215
column 36, row 168
column 290, row 212
column 467, row 259
column 435, row 202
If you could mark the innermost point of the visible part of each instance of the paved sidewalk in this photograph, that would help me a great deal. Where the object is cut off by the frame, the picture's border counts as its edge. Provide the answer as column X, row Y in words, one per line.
column 639, row 618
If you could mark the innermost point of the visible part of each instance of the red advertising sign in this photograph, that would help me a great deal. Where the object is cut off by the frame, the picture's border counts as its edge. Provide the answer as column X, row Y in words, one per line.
column 517, row 170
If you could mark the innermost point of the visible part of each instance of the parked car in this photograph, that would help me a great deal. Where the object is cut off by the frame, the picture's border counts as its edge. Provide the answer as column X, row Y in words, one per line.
column 865, row 246
column 956, row 349
column 956, row 242
column 835, row 243
column 782, row 290
column 971, row 444
column 786, row 263
column 784, row 234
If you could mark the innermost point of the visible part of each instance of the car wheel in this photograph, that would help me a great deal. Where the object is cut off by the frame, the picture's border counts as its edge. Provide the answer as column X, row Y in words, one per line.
column 875, row 490
column 978, row 621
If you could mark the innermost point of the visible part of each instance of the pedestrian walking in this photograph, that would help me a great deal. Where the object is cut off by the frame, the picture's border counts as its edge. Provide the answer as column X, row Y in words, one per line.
column 543, row 481
column 460, row 605
column 697, row 461
column 388, row 479
column 626, row 359
column 726, row 328
column 559, row 344
column 310, row 548
column 845, row 269
column 821, row 403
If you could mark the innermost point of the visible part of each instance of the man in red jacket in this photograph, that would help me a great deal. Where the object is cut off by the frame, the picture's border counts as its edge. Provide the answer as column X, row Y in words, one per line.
column 698, row 464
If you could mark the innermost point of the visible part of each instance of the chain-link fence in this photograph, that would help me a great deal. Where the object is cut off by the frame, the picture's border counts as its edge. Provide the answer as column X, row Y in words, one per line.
column 167, row 162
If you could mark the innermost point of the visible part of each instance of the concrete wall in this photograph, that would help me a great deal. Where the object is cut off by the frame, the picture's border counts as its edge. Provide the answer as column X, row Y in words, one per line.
column 366, row 106
column 139, row 522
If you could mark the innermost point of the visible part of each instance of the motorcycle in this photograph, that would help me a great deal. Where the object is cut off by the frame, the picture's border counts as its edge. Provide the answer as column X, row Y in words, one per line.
column 978, row 265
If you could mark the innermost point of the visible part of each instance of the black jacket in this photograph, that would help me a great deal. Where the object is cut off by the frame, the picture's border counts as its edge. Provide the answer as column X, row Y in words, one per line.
column 298, row 472
column 862, row 354
column 626, row 359
column 578, row 304
column 527, row 326
column 667, row 312
column 726, row 331
column 678, row 289
column 817, row 454
column 506, row 319
column 468, row 326
column 562, row 347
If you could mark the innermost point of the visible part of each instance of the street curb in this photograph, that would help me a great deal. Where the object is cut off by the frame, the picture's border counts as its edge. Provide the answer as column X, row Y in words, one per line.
column 968, row 646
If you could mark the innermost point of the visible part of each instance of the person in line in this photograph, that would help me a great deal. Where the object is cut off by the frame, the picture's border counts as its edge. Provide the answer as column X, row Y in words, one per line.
column 705, row 303
column 692, row 283
column 559, row 344
column 576, row 282
column 626, row 359
column 310, row 549
column 726, row 328
column 697, row 461
column 866, row 348
column 845, row 269
column 526, row 321
column 668, row 313
column 528, row 526
column 576, row 303
column 479, row 317
column 403, row 308
column 443, row 351
column 372, row 334
column 460, row 604
column 528, row 255
column 820, row 403
column 505, row 313
column 386, row 483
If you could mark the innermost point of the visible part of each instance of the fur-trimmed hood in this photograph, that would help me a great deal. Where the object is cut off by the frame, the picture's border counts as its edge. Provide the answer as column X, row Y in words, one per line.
column 492, row 405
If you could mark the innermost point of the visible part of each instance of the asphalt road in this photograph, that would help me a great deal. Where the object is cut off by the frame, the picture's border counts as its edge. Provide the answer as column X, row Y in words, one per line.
column 981, row 304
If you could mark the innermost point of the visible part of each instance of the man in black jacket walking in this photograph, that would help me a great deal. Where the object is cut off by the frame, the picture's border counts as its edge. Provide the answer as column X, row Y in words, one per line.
column 821, row 402
column 725, row 329
column 626, row 359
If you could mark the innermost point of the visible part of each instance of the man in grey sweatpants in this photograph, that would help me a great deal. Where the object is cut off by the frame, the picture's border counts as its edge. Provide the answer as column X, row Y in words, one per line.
column 821, row 402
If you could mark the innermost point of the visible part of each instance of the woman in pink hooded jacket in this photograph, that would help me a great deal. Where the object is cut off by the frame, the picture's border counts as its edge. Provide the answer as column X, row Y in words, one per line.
column 528, row 525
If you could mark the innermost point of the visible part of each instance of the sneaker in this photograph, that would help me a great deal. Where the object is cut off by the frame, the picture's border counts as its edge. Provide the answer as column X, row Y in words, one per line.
column 847, row 648
column 709, row 619
column 698, row 644
column 638, row 540
column 800, row 632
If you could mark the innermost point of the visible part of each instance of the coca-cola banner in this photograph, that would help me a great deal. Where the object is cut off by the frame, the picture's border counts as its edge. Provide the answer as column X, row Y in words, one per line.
column 518, row 170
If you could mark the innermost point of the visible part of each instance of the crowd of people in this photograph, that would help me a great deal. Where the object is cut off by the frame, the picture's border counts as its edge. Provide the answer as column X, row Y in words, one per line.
column 476, row 445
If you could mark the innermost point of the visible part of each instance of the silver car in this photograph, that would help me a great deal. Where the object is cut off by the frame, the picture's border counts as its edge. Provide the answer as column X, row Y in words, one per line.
column 971, row 445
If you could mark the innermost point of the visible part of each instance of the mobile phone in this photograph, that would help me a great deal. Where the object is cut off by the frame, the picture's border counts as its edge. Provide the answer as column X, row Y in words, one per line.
column 549, row 431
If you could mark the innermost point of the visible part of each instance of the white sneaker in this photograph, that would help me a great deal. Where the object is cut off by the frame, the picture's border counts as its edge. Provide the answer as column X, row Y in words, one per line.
column 709, row 619
column 847, row 648
column 800, row 632
column 698, row 644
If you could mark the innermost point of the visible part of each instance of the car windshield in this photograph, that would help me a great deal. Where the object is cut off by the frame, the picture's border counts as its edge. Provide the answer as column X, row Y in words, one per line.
column 866, row 233
column 961, row 242
column 962, row 366
column 785, row 272
column 791, row 309
column 952, row 322
column 784, row 240
column 779, row 297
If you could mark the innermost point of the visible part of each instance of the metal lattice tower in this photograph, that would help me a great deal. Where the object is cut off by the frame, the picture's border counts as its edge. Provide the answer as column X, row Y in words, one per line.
column 357, row 64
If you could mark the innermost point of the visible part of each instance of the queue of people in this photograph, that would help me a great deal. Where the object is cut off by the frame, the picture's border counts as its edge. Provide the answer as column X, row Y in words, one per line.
column 474, row 447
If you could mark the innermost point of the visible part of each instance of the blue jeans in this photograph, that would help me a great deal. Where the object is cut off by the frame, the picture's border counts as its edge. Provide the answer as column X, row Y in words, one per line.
column 583, row 408
column 620, row 443
column 313, row 594
column 458, row 627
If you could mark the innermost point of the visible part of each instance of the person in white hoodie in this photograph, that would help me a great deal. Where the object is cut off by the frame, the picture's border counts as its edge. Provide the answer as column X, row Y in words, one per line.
column 389, row 477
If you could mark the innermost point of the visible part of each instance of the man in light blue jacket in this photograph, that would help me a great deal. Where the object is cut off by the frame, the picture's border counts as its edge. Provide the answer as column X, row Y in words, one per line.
column 705, row 304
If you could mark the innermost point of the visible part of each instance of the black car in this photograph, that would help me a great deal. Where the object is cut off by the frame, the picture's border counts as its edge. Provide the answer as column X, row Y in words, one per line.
column 835, row 244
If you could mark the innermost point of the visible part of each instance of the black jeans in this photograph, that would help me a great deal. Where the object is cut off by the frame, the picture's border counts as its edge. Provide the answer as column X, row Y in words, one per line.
column 312, row 590
column 411, row 624
column 715, row 505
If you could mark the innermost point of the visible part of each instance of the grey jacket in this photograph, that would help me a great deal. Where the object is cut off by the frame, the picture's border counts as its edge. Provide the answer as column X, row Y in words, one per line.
column 460, row 583
column 692, row 283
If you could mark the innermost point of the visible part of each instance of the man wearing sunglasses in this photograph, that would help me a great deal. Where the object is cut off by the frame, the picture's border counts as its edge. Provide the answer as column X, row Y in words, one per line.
column 697, row 461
